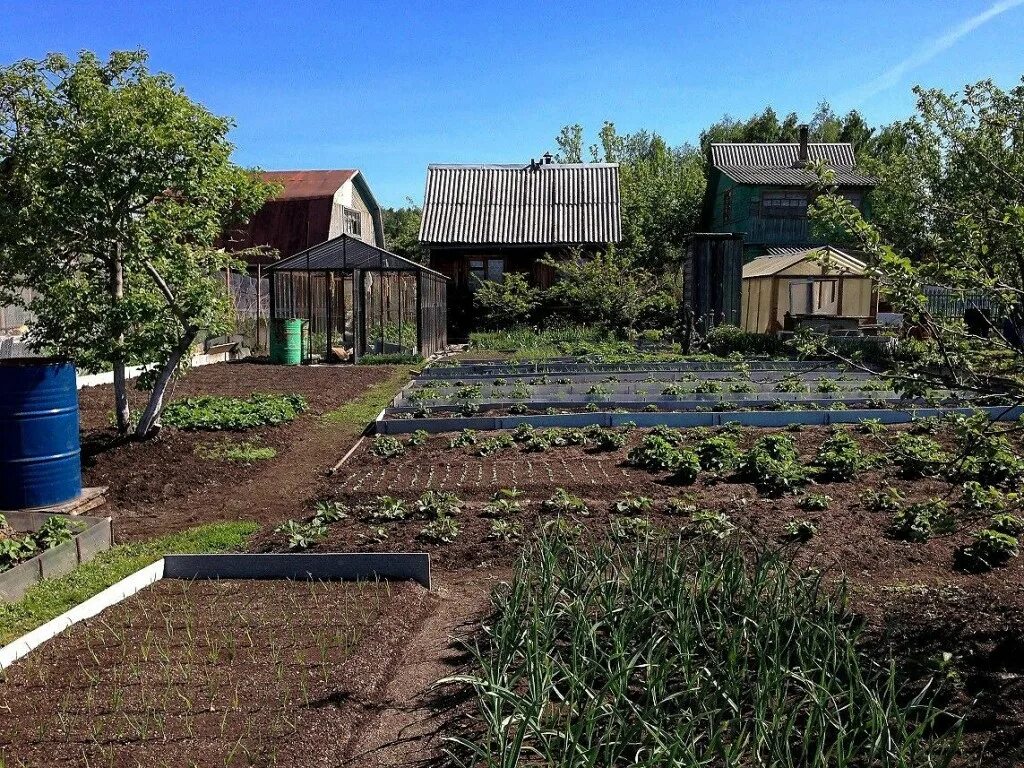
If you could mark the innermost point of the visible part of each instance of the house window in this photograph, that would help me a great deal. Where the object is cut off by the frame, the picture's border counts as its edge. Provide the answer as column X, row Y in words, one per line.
column 486, row 268
column 787, row 205
column 727, row 206
column 353, row 222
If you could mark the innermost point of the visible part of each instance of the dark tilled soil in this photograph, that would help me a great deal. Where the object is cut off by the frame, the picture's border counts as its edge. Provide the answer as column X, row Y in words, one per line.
column 213, row 674
column 160, row 485
column 916, row 604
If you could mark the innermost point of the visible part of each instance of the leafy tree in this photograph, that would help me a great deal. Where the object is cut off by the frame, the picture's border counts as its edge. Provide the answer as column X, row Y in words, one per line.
column 402, row 232
column 114, row 186
column 963, row 161
column 508, row 303
column 661, row 187
column 608, row 290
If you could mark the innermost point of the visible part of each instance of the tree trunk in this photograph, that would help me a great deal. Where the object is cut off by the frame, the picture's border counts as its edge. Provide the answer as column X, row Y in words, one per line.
column 121, row 409
column 150, row 418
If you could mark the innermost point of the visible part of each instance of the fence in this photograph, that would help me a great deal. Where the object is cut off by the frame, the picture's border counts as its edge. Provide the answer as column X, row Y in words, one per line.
column 250, row 299
column 12, row 319
column 951, row 303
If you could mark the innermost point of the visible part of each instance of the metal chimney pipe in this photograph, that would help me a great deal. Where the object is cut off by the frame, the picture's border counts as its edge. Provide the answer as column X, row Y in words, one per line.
column 805, row 133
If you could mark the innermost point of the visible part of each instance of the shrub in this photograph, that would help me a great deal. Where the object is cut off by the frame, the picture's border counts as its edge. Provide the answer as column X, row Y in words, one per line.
column 717, row 453
column 725, row 340
column 871, row 427
column 418, row 437
column 713, row 524
column 887, row 500
column 920, row 521
column 800, row 530
column 814, row 502
column 386, row 447
column 608, row 439
column 918, row 456
column 990, row 459
column 211, row 412
column 990, row 549
column 391, row 358
column 707, row 387
column 387, row 508
column 654, row 454
column 826, row 385
column 464, row 438
column 792, row 384
column 839, row 458
column 634, row 505
column 772, row 465
column 506, row 304
column 443, row 530
column 1006, row 523
column 562, row 502
column 686, row 469
column 434, row 504
column 503, row 503
column 985, row 499
column 493, row 445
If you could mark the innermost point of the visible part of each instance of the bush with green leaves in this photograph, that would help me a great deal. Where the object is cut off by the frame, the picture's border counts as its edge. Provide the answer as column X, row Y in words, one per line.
column 632, row 504
column 828, row 386
column 465, row 438
column 655, row 454
column 607, row 439
column 990, row 549
column 443, row 530
column 707, row 387
column 301, row 535
column 886, row 500
column 54, row 531
column 984, row 499
column 388, row 509
column 564, row 503
column 1007, row 523
column 800, row 530
column 773, row 466
column 793, row 384
column 990, row 459
column 717, row 453
column 814, row 502
column 725, row 340
column 922, row 520
column 839, row 458
column 214, row 412
column 505, row 304
column 918, row 456
column 386, row 447
column 418, row 437
column 871, row 427
column 686, row 469
column 496, row 444
column 504, row 502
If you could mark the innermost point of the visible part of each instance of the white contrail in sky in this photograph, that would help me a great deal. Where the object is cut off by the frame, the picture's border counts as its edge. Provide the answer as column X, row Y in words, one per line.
column 930, row 50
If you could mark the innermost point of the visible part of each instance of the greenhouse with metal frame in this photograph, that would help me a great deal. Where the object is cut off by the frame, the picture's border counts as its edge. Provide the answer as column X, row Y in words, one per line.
column 357, row 300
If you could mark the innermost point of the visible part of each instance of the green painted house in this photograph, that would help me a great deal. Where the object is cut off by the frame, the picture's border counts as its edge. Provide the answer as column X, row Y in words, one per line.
column 763, row 190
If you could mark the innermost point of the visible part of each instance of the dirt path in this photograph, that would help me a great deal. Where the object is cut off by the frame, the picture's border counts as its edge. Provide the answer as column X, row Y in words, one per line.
column 404, row 726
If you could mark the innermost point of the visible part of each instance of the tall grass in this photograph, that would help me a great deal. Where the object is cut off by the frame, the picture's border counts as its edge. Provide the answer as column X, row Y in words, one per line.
column 667, row 655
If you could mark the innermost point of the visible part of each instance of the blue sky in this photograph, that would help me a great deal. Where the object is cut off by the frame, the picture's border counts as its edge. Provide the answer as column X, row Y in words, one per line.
column 389, row 87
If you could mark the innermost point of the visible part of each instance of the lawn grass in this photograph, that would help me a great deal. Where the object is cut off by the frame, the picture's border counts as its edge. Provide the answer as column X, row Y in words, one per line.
column 356, row 415
column 52, row 597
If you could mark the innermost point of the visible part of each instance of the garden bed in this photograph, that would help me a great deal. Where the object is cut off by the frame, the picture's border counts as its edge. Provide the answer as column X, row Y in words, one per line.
column 210, row 673
column 184, row 478
column 63, row 543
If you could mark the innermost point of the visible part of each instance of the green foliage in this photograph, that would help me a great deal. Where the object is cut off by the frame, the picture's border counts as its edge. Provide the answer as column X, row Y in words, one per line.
column 772, row 464
column 301, row 536
column 242, row 451
column 631, row 504
column 888, row 500
column 436, row 504
column 122, row 270
column 564, row 503
column 505, row 530
column 918, row 456
column 686, row 469
column 920, row 521
column 390, row 358
column 655, row 454
column 418, row 437
column 402, row 232
column 327, row 512
column 725, row 340
column 15, row 549
column 814, row 502
column 465, row 438
column 792, row 384
column 828, row 386
column 631, row 528
column 506, row 304
column 386, row 447
column 980, row 498
column 606, row 290
column 715, row 525
column 1007, row 523
column 871, row 427
column 839, row 458
column 607, row 439
column 495, row 444
column 800, row 530
column 388, row 509
column 443, row 530
column 990, row 549
column 213, row 412
column 717, row 453
column 504, row 503
column 54, row 531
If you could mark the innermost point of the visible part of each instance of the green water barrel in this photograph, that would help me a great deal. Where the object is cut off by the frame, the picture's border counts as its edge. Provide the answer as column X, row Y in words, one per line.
column 288, row 345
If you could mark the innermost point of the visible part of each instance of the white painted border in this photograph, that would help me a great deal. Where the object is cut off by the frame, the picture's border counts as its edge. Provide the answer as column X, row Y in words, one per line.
column 98, row 379
column 110, row 596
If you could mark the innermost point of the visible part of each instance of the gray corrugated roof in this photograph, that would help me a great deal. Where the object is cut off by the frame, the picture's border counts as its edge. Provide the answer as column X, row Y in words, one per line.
column 779, row 163
column 347, row 252
column 552, row 204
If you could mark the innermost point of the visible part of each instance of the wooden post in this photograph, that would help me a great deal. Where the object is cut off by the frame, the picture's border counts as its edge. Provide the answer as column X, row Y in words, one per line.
column 259, row 301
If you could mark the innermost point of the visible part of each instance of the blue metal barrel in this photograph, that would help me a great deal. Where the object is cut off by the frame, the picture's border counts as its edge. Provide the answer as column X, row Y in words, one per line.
column 40, row 457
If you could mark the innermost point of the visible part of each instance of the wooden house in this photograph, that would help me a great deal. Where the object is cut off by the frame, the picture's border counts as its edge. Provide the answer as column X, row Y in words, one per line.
column 763, row 191
column 481, row 222
column 824, row 287
column 311, row 208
